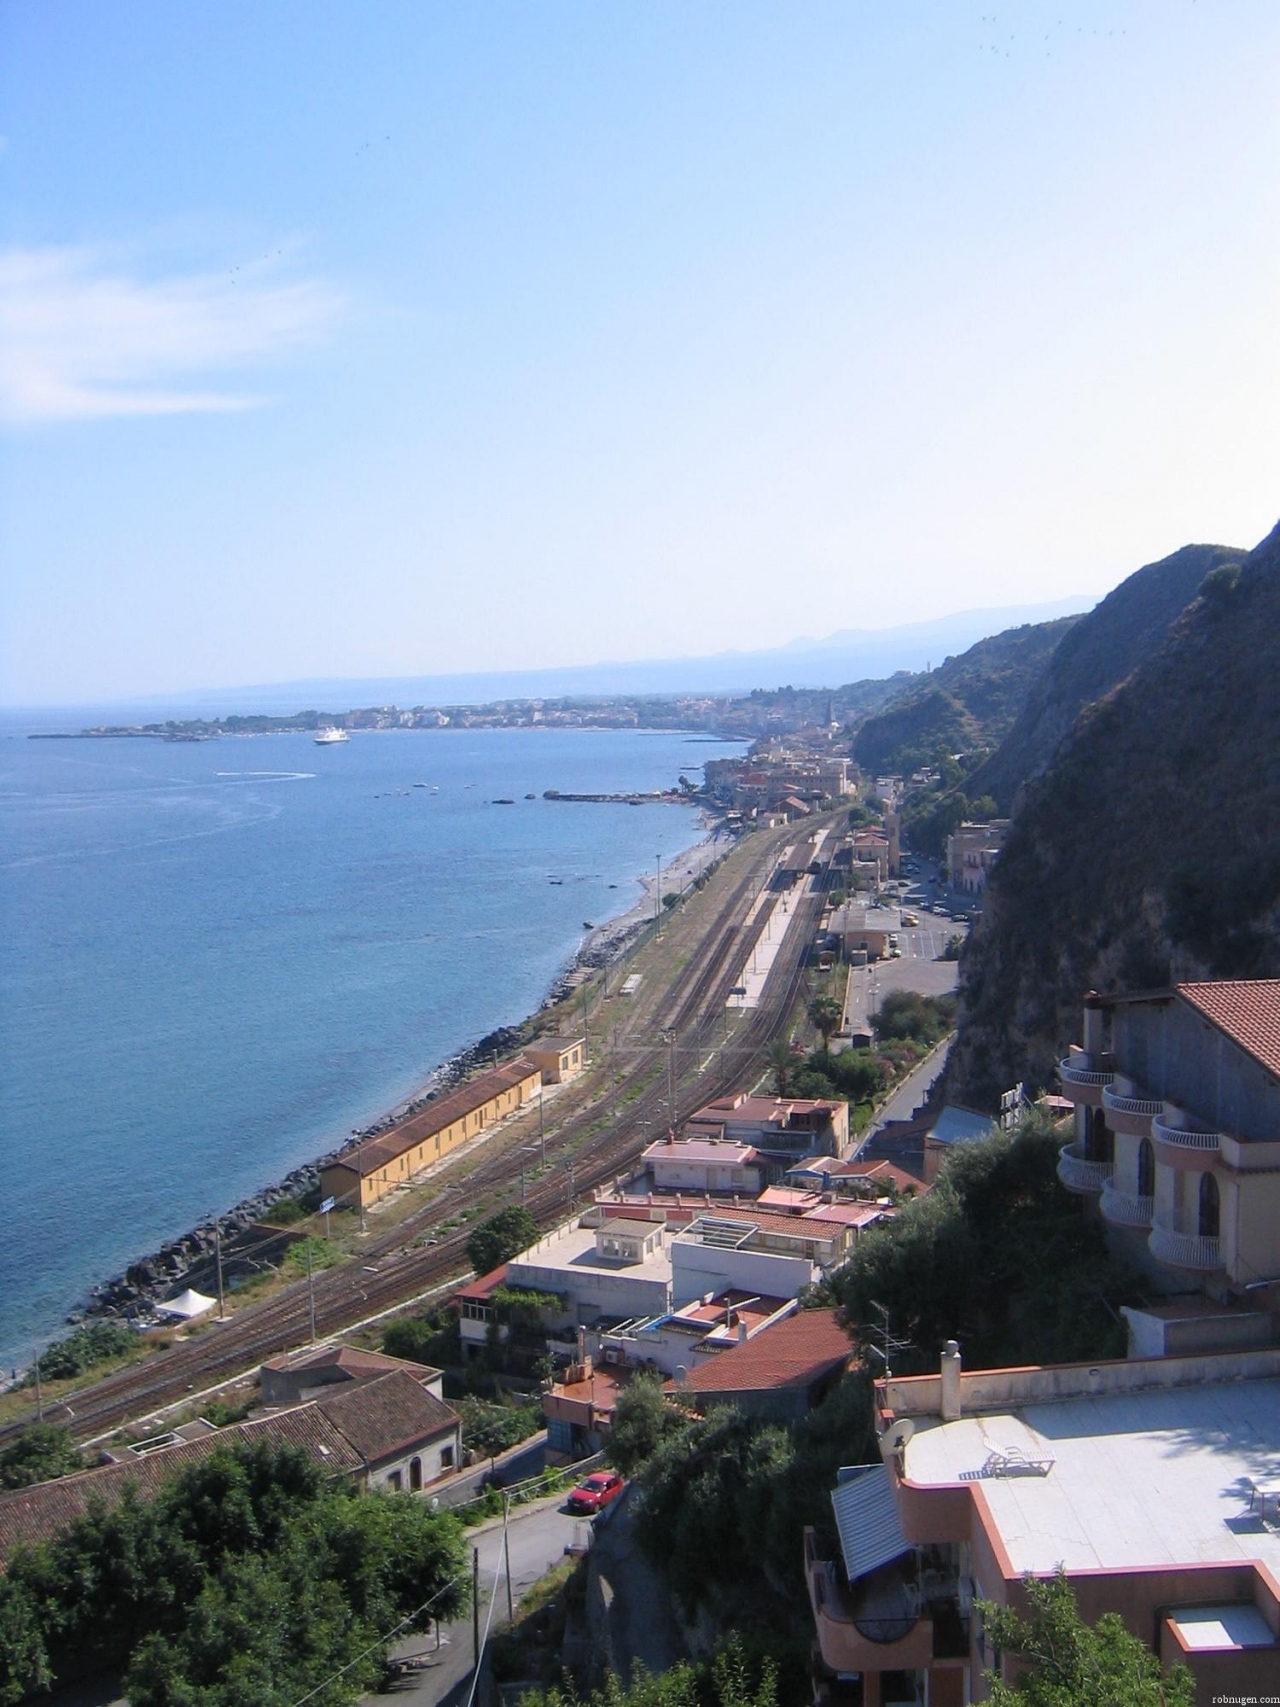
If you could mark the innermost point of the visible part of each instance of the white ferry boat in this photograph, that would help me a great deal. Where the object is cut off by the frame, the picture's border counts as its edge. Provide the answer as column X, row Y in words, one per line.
column 330, row 737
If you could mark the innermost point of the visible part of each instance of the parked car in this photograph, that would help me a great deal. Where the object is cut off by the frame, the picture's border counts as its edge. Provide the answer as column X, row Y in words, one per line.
column 596, row 1492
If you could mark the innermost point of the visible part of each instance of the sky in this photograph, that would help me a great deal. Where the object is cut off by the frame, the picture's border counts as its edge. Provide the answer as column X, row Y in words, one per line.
column 341, row 339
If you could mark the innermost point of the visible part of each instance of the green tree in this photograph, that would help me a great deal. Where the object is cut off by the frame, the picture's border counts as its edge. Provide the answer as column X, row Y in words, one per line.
column 997, row 1256
column 501, row 1237
column 825, row 1014
column 39, row 1454
column 1074, row 1664
column 433, row 1339
column 781, row 1065
column 642, row 1420
column 24, row 1658
column 905, row 1014
column 735, row 1680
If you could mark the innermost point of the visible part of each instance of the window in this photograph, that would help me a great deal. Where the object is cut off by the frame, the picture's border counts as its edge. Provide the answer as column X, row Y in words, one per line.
column 415, row 1475
column 1146, row 1169
column 446, row 1458
column 1210, row 1207
column 1099, row 1141
column 394, row 1482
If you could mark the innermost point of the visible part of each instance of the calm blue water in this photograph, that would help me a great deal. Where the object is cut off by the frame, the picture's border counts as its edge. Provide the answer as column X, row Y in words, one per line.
column 220, row 958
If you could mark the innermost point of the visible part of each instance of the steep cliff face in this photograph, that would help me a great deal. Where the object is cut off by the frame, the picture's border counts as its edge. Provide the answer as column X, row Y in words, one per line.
column 968, row 701
column 1098, row 653
column 1149, row 848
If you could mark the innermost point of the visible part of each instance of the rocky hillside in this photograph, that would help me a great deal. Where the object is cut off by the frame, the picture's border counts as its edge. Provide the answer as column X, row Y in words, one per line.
column 969, row 701
column 1098, row 653
column 1149, row 848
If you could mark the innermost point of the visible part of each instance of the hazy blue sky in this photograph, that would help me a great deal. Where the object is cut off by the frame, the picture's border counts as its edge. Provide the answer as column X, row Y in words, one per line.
column 350, row 338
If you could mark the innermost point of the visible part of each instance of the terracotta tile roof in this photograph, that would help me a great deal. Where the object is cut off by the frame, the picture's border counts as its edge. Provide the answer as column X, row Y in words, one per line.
column 34, row 1514
column 350, row 1360
column 793, row 1353
column 387, row 1415
column 347, row 1434
column 478, row 1290
column 386, row 1146
column 1246, row 1010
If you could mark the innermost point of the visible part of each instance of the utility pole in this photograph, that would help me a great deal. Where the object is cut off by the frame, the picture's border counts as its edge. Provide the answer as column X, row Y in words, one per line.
column 542, row 1126
column 475, row 1606
column 39, row 1399
column 671, row 1080
column 506, row 1551
column 311, row 1294
column 657, row 896
column 217, row 1258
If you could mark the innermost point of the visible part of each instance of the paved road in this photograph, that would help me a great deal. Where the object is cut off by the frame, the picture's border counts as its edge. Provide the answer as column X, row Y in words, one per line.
column 913, row 1090
column 538, row 1537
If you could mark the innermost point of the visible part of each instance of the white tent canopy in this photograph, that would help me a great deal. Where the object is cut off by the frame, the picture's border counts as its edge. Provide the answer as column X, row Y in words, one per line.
column 187, row 1305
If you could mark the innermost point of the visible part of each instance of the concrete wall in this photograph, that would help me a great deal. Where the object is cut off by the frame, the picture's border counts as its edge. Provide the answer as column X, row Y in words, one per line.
column 697, row 1269
column 998, row 1389
column 431, row 1459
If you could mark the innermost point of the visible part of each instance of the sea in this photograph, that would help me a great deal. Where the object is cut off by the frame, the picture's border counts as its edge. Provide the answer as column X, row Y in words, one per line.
column 221, row 958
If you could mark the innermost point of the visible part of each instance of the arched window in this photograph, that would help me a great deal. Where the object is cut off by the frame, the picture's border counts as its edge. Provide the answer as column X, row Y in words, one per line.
column 1099, row 1140
column 1210, row 1207
column 1146, row 1169
column 415, row 1475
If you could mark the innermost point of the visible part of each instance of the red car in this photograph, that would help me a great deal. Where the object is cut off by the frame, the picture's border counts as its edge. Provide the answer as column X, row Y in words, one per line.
column 596, row 1492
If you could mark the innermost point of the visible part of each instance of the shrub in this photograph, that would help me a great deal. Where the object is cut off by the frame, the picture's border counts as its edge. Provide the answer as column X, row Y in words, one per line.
column 501, row 1237
column 94, row 1343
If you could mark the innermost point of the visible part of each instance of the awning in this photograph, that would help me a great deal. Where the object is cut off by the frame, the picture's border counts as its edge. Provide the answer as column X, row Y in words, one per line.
column 187, row 1304
column 867, row 1518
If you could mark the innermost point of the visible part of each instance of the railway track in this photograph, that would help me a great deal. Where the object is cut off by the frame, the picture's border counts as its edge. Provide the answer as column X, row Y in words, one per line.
column 411, row 1260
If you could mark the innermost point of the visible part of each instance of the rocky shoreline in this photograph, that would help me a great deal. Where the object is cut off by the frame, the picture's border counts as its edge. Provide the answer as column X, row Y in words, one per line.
column 190, row 1259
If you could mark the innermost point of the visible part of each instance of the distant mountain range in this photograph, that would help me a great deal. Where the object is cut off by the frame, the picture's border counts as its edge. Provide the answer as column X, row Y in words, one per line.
column 852, row 654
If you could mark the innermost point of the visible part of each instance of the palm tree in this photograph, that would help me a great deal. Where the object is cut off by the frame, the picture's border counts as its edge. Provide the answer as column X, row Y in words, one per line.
column 825, row 1014
column 782, row 1061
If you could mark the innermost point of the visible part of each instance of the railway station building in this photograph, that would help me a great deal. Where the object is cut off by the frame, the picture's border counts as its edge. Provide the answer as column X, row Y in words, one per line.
column 369, row 1170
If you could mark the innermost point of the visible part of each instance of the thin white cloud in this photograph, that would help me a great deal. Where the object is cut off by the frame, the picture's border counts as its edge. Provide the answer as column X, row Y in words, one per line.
column 82, row 339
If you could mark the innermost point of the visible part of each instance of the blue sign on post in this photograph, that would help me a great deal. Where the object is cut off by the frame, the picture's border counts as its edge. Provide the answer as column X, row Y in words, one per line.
column 327, row 1205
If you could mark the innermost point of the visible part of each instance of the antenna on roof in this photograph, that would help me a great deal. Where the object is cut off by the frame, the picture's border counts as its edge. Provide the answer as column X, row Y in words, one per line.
column 889, row 1344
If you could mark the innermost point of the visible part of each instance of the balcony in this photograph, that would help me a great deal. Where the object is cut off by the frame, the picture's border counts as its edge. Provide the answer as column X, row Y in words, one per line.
column 1195, row 1251
column 861, row 1633
column 1078, row 1173
column 1081, row 1082
column 1126, row 1208
column 1128, row 1112
column 1183, row 1146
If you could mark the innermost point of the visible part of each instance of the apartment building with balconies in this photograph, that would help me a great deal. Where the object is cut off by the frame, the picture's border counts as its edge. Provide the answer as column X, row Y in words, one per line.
column 1177, row 1136
column 1151, row 1483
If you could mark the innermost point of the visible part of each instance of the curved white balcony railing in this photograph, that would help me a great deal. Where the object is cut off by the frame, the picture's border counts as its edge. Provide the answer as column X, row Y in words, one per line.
column 1183, row 1137
column 1077, row 1173
column 1073, row 1075
column 1126, row 1208
column 1185, row 1250
column 1121, row 1103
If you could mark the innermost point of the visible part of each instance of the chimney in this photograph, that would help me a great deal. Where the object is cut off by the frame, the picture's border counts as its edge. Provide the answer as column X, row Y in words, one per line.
column 950, row 1382
column 1093, row 1006
column 742, row 1330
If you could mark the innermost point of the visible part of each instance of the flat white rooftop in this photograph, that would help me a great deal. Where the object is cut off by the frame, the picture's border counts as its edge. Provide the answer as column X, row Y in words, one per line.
column 573, row 1251
column 1142, row 1478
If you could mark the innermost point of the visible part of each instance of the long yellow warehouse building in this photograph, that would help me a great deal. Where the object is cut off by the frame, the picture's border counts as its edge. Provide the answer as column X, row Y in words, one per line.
column 364, row 1174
